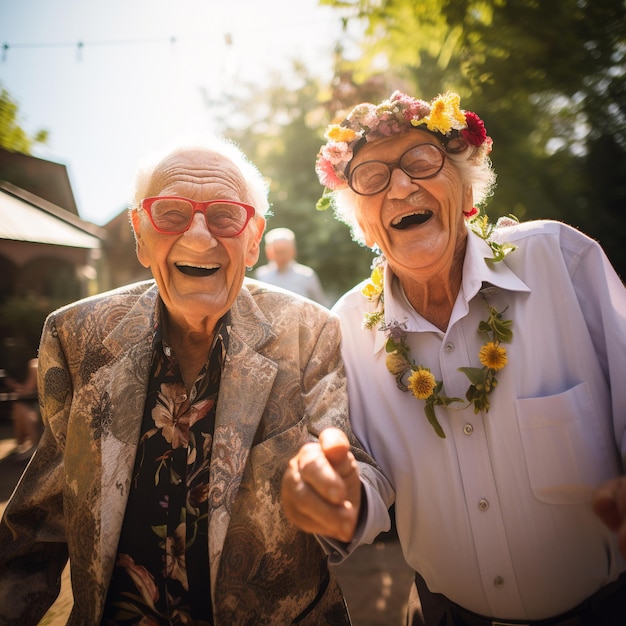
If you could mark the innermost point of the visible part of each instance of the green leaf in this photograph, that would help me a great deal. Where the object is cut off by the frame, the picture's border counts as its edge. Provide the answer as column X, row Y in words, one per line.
column 324, row 203
column 393, row 346
column 446, row 400
column 432, row 419
column 475, row 374
column 160, row 531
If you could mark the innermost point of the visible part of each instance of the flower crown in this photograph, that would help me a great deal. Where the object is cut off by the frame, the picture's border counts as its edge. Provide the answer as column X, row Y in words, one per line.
column 368, row 122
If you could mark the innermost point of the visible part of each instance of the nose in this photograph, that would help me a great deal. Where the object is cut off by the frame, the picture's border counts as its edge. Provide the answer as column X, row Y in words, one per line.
column 198, row 235
column 401, row 184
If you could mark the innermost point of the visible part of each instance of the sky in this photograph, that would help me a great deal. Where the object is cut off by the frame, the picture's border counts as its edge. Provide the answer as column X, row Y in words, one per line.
column 142, row 75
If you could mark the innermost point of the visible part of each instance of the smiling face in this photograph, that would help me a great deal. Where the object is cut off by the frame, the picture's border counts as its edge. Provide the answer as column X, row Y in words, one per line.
column 417, row 224
column 198, row 275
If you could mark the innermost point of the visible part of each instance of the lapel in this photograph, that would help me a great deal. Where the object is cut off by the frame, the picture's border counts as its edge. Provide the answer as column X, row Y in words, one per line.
column 122, row 384
column 245, row 386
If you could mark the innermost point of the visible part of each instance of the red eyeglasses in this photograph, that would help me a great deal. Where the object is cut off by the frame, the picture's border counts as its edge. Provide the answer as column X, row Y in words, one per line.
column 172, row 215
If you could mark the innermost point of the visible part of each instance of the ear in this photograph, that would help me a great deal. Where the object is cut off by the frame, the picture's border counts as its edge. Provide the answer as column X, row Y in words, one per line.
column 257, row 226
column 135, row 220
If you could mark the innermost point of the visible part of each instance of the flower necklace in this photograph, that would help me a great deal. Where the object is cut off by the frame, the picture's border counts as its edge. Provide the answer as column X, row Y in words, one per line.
column 419, row 379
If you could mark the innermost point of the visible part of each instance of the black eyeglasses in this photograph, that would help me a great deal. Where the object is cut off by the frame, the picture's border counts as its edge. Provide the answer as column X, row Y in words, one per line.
column 422, row 161
column 172, row 215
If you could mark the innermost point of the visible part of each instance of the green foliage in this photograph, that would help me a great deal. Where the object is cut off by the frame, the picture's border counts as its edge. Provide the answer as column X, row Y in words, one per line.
column 548, row 79
column 21, row 322
column 12, row 136
column 280, row 128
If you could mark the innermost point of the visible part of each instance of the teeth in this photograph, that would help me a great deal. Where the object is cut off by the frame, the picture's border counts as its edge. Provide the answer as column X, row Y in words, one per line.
column 212, row 266
column 399, row 219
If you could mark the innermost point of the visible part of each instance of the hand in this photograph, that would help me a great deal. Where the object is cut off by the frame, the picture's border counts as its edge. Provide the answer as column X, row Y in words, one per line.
column 609, row 504
column 321, row 489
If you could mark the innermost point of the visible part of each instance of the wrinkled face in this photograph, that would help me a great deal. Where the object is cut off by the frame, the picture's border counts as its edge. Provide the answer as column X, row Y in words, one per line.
column 198, row 275
column 417, row 224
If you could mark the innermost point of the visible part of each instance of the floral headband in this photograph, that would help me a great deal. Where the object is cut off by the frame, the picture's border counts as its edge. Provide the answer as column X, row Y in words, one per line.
column 368, row 122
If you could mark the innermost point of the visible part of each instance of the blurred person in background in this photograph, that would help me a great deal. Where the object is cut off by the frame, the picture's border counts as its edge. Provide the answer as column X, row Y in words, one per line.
column 27, row 426
column 485, row 374
column 171, row 409
column 284, row 271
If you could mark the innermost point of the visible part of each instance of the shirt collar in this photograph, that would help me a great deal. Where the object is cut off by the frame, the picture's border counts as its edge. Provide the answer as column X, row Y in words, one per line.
column 478, row 275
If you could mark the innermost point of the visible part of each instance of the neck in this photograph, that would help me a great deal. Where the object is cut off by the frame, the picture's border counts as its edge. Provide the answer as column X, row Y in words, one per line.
column 191, row 349
column 433, row 296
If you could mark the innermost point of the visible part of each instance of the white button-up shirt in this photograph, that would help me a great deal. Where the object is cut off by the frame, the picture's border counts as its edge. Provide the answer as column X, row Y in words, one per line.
column 497, row 515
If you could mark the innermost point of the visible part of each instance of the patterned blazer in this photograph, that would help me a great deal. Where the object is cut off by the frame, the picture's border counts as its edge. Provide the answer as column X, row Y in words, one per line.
column 283, row 381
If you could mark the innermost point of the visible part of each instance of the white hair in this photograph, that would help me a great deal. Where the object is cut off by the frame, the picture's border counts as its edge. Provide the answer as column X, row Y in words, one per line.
column 256, row 185
column 279, row 234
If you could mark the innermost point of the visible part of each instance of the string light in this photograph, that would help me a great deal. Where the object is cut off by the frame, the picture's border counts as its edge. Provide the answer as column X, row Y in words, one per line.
column 80, row 45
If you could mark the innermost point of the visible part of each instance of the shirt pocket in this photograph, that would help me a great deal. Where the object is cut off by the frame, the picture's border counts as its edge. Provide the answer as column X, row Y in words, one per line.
column 565, row 450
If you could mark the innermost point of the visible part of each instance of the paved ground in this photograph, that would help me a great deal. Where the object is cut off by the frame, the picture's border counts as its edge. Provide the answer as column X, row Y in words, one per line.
column 375, row 578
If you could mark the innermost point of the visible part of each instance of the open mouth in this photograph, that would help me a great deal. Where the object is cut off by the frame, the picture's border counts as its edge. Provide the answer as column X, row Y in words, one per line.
column 197, row 270
column 414, row 219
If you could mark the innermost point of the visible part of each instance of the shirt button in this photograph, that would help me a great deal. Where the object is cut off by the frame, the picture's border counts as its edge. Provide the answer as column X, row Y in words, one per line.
column 483, row 504
column 449, row 346
column 468, row 429
column 498, row 581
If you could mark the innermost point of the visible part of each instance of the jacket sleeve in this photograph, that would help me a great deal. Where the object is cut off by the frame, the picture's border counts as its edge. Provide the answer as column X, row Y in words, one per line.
column 325, row 378
column 33, row 550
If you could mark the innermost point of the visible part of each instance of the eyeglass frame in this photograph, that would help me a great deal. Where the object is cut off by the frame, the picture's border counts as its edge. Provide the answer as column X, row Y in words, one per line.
column 394, row 165
column 199, row 206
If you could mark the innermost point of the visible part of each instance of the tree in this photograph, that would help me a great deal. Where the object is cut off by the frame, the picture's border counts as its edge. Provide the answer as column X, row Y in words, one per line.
column 12, row 136
column 547, row 77
column 280, row 128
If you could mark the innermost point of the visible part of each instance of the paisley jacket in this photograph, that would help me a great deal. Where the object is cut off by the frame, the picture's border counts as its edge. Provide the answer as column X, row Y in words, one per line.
column 283, row 381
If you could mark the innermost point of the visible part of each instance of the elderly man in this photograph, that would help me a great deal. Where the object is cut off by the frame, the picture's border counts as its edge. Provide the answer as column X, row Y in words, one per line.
column 284, row 271
column 171, row 408
column 485, row 373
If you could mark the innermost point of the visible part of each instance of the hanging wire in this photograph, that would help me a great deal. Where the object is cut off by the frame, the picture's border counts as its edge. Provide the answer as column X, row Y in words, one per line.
column 80, row 45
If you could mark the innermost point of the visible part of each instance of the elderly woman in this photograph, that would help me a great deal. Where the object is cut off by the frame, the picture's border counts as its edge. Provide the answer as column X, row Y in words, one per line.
column 171, row 410
column 485, row 373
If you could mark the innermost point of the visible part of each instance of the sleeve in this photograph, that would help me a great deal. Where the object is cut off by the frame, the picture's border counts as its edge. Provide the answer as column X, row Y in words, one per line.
column 602, row 298
column 327, row 405
column 33, row 549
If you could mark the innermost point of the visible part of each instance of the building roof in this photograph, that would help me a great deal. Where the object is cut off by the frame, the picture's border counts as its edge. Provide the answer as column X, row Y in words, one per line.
column 27, row 217
column 45, row 179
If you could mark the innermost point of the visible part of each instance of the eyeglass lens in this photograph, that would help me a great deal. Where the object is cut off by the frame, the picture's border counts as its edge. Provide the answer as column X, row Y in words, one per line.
column 175, row 215
column 372, row 177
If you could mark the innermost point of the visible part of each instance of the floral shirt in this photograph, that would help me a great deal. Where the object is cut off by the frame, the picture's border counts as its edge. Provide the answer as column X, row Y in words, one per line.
column 161, row 574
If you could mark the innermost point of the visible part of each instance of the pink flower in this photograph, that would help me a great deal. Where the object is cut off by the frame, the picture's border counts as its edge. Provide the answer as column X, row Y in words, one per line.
column 336, row 153
column 327, row 175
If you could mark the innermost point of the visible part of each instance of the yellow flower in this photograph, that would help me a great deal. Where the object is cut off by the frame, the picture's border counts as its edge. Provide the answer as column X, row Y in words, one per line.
column 396, row 364
column 445, row 114
column 422, row 383
column 374, row 287
column 335, row 132
column 493, row 356
column 453, row 104
column 439, row 120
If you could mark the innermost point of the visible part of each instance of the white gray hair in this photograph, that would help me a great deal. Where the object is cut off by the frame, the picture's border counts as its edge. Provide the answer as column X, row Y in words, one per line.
column 256, row 185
